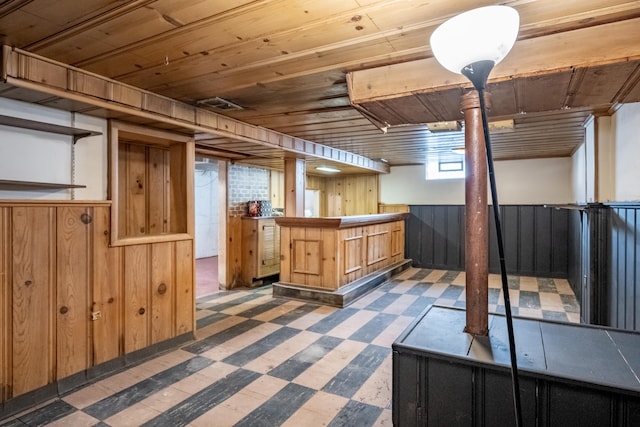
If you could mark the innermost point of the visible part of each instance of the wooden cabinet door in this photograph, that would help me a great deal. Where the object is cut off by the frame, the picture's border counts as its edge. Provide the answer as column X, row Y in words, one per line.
column 33, row 296
column 73, row 260
column 268, row 248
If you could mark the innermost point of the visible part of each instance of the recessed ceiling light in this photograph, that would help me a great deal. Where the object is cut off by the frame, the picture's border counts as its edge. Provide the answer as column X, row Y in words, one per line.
column 327, row 169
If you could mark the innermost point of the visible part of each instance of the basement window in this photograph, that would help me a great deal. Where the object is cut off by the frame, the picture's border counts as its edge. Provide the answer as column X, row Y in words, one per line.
column 445, row 166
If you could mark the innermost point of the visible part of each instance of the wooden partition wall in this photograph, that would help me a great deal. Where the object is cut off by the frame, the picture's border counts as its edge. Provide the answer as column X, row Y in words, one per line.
column 69, row 302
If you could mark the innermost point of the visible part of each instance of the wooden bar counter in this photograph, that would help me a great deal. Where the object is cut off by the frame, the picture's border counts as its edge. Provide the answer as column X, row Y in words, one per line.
column 332, row 252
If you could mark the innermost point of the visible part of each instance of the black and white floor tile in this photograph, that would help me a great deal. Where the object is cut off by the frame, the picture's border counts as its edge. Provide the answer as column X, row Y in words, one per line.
column 263, row 361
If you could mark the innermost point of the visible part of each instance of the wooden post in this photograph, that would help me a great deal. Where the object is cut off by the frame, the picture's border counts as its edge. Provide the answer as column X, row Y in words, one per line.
column 476, row 217
column 294, row 185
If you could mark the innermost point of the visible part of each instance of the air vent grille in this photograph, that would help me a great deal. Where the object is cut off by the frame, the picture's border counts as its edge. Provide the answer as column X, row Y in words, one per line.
column 219, row 104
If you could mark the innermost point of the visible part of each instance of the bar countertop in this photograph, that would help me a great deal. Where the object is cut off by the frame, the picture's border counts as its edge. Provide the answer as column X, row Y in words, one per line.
column 338, row 222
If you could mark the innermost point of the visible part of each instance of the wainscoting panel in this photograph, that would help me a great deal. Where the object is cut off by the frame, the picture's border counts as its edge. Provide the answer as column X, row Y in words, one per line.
column 435, row 236
column 624, row 304
column 535, row 239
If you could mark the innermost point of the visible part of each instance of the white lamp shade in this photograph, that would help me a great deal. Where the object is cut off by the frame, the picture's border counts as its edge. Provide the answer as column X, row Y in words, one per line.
column 483, row 34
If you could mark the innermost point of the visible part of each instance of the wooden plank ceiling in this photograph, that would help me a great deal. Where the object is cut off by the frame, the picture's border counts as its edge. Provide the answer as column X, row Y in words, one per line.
column 286, row 62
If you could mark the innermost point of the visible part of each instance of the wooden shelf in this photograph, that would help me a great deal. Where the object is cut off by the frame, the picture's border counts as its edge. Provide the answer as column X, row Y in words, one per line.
column 76, row 133
column 6, row 184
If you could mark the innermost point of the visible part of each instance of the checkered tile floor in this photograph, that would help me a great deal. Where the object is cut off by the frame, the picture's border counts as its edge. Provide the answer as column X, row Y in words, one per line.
column 262, row 361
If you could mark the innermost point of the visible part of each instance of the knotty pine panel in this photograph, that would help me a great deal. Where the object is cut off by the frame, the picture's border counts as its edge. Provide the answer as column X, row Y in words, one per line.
column 378, row 245
column 330, row 259
column 107, row 291
column 234, row 251
column 305, row 256
column 184, row 284
column 5, row 303
column 397, row 241
column 158, row 197
column 286, row 255
column 162, row 292
column 352, row 240
column 136, row 297
column 33, row 296
column 73, row 258
column 132, row 191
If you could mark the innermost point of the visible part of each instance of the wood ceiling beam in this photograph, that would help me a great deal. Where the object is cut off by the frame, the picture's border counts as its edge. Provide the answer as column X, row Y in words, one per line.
column 599, row 45
column 33, row 72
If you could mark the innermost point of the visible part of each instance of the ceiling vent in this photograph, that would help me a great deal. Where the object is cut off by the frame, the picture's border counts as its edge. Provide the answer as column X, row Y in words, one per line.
column 452, row 126
column 219, row 104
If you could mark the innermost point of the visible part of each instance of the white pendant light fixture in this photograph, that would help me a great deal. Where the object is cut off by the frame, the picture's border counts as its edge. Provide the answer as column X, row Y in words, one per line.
column 478, row 38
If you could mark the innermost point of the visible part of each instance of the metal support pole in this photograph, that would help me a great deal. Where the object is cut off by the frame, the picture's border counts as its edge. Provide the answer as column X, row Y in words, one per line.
column 476, row 218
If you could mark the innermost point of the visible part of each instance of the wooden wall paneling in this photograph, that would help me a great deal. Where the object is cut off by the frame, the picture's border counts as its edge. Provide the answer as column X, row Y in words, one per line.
column 185, row 287
column 136, row 297
column 378, row 245
column 510, row 232
column 106, row 307
column 132, row 190
column 294, row 186
column 33, row 298
column 223, row 226
column 391, row 208
column 623, row 307
column 528, row 221
column 439, row 248
column 426, row 236
column 276, row 188
column 286, row 254
column 182, row 160
column 158, row 193
column 413, row 244
column 352, row 240
column 250, row 245
column 575, row 255
column 305, row 256
column 234, row 251
column 559, row 242
column 398, row 241
column 537, row 243
column 313, row 254
column 352, row 195
column 334, row 197
column 455, row 235
column 73, row 259
column 330, row 259
column 162, row 287
column 5, row 304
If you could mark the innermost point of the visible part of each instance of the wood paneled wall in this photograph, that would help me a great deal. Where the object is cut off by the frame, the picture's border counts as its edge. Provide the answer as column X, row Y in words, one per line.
column 69, row 301
column 605, row 246
column 624, row 276
column 339, row 195
column 535, row 239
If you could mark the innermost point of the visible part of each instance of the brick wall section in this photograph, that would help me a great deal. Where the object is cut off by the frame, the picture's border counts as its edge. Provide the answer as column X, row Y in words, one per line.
column 246, row 183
